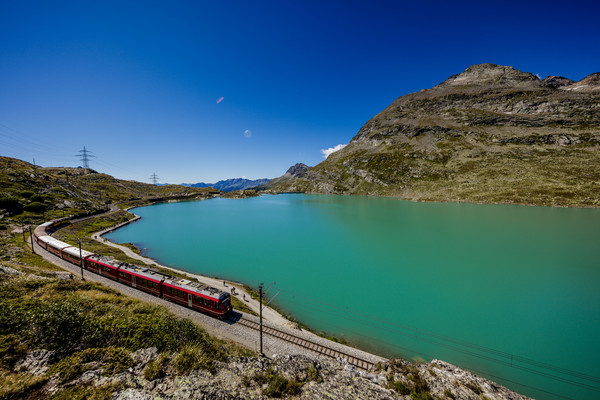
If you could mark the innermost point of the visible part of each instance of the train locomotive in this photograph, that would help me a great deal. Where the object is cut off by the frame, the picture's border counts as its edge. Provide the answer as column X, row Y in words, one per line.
column 191, row 294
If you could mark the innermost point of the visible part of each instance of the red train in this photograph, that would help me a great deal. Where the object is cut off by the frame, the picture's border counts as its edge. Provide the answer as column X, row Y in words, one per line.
column 177, row 290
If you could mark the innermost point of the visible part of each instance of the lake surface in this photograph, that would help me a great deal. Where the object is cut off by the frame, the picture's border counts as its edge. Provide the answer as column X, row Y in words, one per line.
column 511, row 292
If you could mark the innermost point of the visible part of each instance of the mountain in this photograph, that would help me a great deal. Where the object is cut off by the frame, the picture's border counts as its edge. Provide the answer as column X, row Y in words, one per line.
column 491, row 134
column 229, row 185
column 295, row 171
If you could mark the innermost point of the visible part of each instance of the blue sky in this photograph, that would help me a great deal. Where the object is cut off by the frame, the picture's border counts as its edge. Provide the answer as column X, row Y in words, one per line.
column 137, row 83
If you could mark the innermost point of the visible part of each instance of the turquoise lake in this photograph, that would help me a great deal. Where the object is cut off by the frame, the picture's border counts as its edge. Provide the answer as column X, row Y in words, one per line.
column 510, row 292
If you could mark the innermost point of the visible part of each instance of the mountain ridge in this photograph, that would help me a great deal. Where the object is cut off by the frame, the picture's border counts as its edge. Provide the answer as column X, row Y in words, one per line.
column 491, row 134
column 229, row 185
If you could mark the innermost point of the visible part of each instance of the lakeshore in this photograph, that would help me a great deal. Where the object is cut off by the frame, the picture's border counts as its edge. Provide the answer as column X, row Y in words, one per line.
column 253, row 226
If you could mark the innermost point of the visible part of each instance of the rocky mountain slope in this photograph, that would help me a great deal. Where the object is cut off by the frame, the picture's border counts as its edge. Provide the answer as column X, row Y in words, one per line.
column 229, row 185
column 298, row 170
column 491, row 134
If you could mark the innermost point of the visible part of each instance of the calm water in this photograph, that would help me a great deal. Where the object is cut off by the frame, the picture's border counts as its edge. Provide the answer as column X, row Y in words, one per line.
column 494, row 288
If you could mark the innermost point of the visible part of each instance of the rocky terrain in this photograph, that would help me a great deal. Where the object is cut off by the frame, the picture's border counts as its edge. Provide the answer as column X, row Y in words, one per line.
column 152, row 376
column 491, row 134
column 296, row 171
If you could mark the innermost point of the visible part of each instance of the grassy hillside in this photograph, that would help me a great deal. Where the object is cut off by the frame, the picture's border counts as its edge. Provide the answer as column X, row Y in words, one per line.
column 491, row 135
column 37, row 193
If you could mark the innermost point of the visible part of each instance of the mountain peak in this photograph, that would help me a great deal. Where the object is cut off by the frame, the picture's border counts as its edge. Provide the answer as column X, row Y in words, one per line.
column 590, row 83
column 297, row 170
column 491, row 75
column 556, row 81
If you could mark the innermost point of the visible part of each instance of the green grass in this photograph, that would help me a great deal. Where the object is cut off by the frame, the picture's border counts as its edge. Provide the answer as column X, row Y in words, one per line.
column 90, row 326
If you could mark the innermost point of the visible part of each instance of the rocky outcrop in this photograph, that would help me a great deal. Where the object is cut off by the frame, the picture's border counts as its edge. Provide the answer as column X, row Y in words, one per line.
column 491, row 75
column 36, row 362
column 297, row 376
column 296, row 171
column 556, row 81
column 590, row 83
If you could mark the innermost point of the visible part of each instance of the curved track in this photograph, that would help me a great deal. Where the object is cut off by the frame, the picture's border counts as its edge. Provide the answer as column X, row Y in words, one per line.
column 317, row 348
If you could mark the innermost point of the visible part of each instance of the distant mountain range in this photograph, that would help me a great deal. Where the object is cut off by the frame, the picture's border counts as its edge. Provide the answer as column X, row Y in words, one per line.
column 229, row 185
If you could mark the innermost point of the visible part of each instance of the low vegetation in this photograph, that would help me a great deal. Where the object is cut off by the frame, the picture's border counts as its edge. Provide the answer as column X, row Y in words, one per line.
column 88, row 326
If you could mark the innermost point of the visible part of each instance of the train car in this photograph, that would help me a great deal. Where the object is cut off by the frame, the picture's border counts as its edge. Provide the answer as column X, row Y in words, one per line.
column 53, row 245
column 72, row 254
column 146, row 279
column 102, row 265
column 41, row 230
column 182, row 291
column 197, row 296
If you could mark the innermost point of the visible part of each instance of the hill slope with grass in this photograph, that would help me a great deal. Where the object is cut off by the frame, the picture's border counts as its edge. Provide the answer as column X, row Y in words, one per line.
column 30, row 191
column 491, row 134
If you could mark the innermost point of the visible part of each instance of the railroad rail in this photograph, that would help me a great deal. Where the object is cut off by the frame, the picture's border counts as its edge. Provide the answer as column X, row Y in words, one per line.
column 307, row 344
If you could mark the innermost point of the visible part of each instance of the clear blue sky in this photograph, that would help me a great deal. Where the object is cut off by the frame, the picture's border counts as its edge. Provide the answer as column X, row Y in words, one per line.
column 137, row 83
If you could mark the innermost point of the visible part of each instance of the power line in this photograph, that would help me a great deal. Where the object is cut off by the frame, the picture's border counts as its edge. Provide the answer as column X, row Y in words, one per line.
column 154, row 178
column 85, row 156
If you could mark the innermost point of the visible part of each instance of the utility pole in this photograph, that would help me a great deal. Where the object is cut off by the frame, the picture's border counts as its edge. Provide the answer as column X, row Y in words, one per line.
column 260, row 287
column 34, row 167
column 31, row 237
column 154, row 178
column 81, row 261
column 85, row 156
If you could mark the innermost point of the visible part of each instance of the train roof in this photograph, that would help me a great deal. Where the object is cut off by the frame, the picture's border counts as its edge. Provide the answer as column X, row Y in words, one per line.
column 74, row 251
column 197, row 288
column 143, row 272
column 58, row 244
column 47, row 223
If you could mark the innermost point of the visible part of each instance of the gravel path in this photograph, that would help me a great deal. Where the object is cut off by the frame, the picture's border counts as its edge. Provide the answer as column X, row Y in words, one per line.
column 221, row 329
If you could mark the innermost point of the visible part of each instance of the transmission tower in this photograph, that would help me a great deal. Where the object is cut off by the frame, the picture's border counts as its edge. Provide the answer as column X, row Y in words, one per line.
column 85, row 156
column 154, row 178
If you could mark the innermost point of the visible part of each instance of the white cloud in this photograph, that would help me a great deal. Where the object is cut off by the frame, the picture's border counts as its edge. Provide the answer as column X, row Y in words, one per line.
column 247, row 133
column 327, row 152
column 538, row 76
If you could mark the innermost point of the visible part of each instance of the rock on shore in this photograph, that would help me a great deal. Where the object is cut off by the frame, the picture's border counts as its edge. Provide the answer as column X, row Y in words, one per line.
column 298, row 376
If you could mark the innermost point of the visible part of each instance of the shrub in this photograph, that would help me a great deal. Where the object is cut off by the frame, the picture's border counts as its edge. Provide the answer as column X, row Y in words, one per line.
column 191, row 358
column 114, row 360
column 155, row 368
column 397, row 385
column 34, row 207
column 38, row 197
column 7, row 201
column 277, row 384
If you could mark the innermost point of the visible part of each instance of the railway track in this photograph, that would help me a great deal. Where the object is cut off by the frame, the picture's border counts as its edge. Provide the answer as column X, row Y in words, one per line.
column 307, row 344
